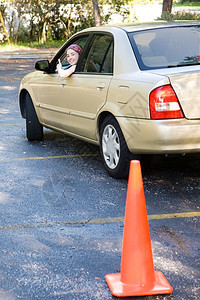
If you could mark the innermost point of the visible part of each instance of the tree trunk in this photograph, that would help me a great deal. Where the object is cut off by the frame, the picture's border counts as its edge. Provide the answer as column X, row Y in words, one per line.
column 4, row 27
column 97, row 17
column 44, row 34
column 69, row 21
column 18, row 28
column 167, row 6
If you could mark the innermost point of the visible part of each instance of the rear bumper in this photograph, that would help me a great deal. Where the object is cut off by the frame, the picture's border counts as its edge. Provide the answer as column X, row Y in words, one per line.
column 161, row 136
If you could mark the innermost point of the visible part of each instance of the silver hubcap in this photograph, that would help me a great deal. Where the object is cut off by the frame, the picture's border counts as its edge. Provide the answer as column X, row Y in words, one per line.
column 111, row 146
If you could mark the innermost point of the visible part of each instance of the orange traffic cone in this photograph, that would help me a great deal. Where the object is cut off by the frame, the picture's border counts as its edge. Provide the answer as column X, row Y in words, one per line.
column 137, row 277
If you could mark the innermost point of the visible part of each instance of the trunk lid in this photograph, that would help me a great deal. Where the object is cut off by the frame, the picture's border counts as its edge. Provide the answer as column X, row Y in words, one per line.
column 186, row 85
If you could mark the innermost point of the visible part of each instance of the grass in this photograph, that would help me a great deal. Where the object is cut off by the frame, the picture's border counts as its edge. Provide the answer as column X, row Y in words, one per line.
column 187, row 4
column 49, row 44
column 31, row 45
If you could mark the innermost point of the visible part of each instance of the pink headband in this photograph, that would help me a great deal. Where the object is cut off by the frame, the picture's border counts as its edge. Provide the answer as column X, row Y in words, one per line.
column 76, row 48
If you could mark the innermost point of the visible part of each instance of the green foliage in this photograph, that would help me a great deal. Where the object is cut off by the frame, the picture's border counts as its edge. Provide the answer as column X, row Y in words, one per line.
column 46, row 20
column 189, row 3
column 2, row 33
column 180, row 15
column 23, row 34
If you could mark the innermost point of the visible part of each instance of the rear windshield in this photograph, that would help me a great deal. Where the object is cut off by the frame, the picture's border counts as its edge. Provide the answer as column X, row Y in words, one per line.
column 167, row 47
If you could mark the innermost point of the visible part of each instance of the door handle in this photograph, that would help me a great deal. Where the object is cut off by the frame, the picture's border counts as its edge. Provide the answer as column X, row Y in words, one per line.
column 62, row 85
column 100, row 86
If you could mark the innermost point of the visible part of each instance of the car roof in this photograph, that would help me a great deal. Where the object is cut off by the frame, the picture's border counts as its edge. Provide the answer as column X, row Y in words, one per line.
column 143, row 26
column 156, row 24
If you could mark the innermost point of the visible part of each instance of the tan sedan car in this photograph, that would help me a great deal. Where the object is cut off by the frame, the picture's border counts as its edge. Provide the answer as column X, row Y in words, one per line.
column 135, row 90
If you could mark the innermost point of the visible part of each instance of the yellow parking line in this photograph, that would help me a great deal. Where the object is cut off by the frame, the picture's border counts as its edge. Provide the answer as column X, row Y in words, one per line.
column 49, row 157
column 150, row 217
column 95, row 221
column 175, row 215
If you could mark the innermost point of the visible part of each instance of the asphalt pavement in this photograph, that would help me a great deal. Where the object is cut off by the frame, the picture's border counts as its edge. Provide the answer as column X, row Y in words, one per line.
column 62, row 216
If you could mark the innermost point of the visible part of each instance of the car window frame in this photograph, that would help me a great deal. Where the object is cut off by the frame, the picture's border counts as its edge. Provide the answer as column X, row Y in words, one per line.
column 141, row 65
column 71, row 41
column 86, row 51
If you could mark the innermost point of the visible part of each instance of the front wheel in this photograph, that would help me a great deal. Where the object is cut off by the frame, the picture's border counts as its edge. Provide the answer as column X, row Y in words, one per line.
column 34, row 130
column 114, row 151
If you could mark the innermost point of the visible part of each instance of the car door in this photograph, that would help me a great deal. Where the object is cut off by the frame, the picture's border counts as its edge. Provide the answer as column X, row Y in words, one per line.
column 53, row 94
column 87, row 89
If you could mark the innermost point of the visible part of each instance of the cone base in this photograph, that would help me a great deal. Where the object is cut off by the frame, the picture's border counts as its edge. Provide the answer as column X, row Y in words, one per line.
column 119, row 289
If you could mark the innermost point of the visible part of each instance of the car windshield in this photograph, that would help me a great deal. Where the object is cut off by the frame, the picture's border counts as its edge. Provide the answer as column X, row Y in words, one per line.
column 167, row 47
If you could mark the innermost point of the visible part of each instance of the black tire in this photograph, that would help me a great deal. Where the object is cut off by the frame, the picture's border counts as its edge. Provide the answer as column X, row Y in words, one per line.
column 113, row 148
column 34, row 130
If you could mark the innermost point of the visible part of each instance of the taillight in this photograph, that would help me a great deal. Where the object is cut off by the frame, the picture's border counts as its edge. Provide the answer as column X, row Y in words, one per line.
column 164, row 103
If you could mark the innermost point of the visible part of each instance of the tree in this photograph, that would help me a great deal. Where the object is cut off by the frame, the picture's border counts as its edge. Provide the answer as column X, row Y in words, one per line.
column 167, row 6
column 42, row 20
column 3, row 25
column 97, row 17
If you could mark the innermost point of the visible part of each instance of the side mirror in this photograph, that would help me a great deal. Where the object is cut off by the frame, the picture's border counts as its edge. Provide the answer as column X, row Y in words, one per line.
column 42, row 65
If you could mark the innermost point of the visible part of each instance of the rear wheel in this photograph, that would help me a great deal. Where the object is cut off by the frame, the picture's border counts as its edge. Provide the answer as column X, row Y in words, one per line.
column 34, row 130
column 114, row 151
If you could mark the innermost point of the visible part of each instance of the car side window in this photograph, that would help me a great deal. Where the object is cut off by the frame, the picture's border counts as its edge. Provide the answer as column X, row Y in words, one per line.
column 99, row 58
column 81, row 42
